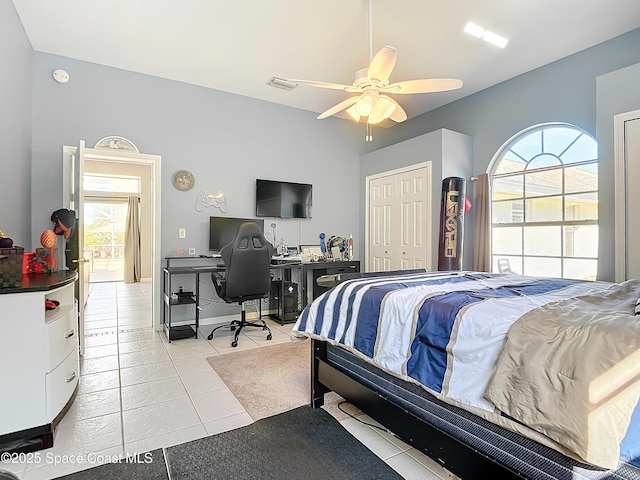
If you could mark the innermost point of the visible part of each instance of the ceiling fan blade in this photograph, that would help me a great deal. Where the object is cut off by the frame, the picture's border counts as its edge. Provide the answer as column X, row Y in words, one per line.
column 423, row 86
column 398, row 115
column 341, row 106
column 383, row 63
column 333, row 86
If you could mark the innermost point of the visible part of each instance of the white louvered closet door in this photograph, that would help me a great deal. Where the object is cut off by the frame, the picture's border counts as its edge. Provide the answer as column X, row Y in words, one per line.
column 399, row 219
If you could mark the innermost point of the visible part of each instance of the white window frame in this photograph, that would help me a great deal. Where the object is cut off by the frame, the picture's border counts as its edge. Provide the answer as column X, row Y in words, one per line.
column 562, row 223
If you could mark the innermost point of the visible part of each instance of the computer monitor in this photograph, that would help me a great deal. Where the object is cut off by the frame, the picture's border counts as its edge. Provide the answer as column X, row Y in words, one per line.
column 223, row 229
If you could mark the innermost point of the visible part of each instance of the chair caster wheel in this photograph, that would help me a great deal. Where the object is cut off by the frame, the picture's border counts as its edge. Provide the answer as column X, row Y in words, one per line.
column 234, row 344
column 269, row 337
column 210, row 337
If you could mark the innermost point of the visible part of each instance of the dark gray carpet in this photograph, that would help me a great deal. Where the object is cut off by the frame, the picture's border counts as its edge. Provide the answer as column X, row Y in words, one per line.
column 146, row 466
column 299, row 444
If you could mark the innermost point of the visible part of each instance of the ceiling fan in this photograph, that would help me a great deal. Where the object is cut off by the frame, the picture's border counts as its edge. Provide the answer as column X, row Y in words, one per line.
column 372, row 102
column 372, row 85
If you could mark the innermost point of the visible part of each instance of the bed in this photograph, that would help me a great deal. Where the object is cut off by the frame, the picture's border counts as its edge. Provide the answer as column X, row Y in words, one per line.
column 445, row 360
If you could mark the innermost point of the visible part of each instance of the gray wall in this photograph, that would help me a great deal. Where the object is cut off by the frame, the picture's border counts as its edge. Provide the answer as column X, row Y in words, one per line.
column 225, row 140
column 15, row 127
column 563, row 91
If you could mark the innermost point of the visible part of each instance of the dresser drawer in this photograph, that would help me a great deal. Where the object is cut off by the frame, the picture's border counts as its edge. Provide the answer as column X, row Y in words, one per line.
column 61, row 338
column 60, row 384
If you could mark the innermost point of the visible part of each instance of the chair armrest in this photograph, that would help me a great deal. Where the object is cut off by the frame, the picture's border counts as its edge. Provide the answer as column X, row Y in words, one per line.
column 217, row 277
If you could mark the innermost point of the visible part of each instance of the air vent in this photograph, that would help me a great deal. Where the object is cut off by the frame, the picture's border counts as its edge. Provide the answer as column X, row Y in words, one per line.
column 282, row 83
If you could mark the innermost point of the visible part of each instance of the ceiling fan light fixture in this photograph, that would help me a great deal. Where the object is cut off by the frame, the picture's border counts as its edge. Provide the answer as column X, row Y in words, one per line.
column 382, row 110
column 364, row 106
column 353, row 113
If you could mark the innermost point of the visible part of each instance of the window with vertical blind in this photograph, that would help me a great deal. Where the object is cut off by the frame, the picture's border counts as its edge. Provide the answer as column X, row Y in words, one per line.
column 544, row 203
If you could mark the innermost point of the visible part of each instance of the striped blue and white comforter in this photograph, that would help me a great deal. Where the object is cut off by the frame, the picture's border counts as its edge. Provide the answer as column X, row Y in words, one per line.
column 442, row 330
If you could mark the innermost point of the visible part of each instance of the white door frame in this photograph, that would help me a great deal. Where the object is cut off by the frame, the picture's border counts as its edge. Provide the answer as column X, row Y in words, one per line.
column 133, row 158
column 620, row 196
column 369, row 179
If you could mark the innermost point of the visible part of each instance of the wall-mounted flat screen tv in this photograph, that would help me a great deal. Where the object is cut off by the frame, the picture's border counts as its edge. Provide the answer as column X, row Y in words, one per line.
column 283, row 199
column 223, row 229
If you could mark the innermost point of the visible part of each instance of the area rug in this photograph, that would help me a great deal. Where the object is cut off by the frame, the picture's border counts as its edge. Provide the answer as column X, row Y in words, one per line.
column 145, row 466
column 271, row 380
column 303, row 443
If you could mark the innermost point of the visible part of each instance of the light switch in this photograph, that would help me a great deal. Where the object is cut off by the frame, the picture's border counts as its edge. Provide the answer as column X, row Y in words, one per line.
column 182, row 232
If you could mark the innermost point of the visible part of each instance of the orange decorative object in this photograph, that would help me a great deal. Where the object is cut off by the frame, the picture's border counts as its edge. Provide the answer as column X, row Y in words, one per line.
column 48, row 239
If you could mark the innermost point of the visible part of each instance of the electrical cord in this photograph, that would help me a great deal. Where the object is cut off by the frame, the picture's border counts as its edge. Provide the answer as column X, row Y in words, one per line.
column 363, row 422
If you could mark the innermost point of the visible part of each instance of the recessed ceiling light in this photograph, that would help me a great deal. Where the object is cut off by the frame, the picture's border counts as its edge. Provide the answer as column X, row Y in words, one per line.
column 495, row 39
column 281, row 83
column 487, row 35
column 473, row 29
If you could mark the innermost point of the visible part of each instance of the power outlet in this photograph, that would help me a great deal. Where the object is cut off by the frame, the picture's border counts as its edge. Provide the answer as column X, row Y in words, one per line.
column 182, row 233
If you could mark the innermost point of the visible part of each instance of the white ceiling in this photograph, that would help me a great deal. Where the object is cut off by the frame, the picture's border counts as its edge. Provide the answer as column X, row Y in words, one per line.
column 238, row 45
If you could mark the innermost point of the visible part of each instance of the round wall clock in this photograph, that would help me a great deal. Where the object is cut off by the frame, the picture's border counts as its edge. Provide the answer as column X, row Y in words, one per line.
column 183, row 180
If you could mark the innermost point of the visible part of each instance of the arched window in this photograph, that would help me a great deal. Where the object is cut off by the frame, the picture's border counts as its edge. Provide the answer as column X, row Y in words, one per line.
column 544, row 203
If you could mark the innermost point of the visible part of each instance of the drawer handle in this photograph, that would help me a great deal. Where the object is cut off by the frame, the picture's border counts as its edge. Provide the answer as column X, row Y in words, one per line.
column 70, row 333
column 71, row 377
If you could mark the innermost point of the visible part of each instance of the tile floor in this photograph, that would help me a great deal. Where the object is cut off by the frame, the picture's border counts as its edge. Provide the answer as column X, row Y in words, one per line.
column 138, row 393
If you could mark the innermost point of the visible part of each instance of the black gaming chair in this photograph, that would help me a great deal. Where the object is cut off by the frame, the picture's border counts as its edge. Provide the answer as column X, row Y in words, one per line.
column 247, row 275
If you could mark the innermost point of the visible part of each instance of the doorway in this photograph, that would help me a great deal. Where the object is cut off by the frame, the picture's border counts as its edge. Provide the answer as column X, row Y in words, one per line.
column 125, row 161
column 104, row 235
column 107, row 188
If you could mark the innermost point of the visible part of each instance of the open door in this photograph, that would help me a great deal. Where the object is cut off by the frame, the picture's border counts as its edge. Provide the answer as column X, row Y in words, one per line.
column 74, row 163
column 83, row 271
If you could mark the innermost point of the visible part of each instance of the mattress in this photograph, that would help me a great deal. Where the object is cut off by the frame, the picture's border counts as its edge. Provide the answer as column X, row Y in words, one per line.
column 518, row 453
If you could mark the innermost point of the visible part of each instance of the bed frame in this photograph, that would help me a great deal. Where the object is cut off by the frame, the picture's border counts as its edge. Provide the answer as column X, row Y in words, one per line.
column 452, row 454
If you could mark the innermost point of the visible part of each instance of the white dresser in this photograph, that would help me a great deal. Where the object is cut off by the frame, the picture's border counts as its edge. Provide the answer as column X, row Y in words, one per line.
column 39, row 360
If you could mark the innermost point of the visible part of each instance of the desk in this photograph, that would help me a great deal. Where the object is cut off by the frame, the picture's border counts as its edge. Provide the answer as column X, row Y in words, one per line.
column 313, row 270
column 290, row 293
column 188, row 330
